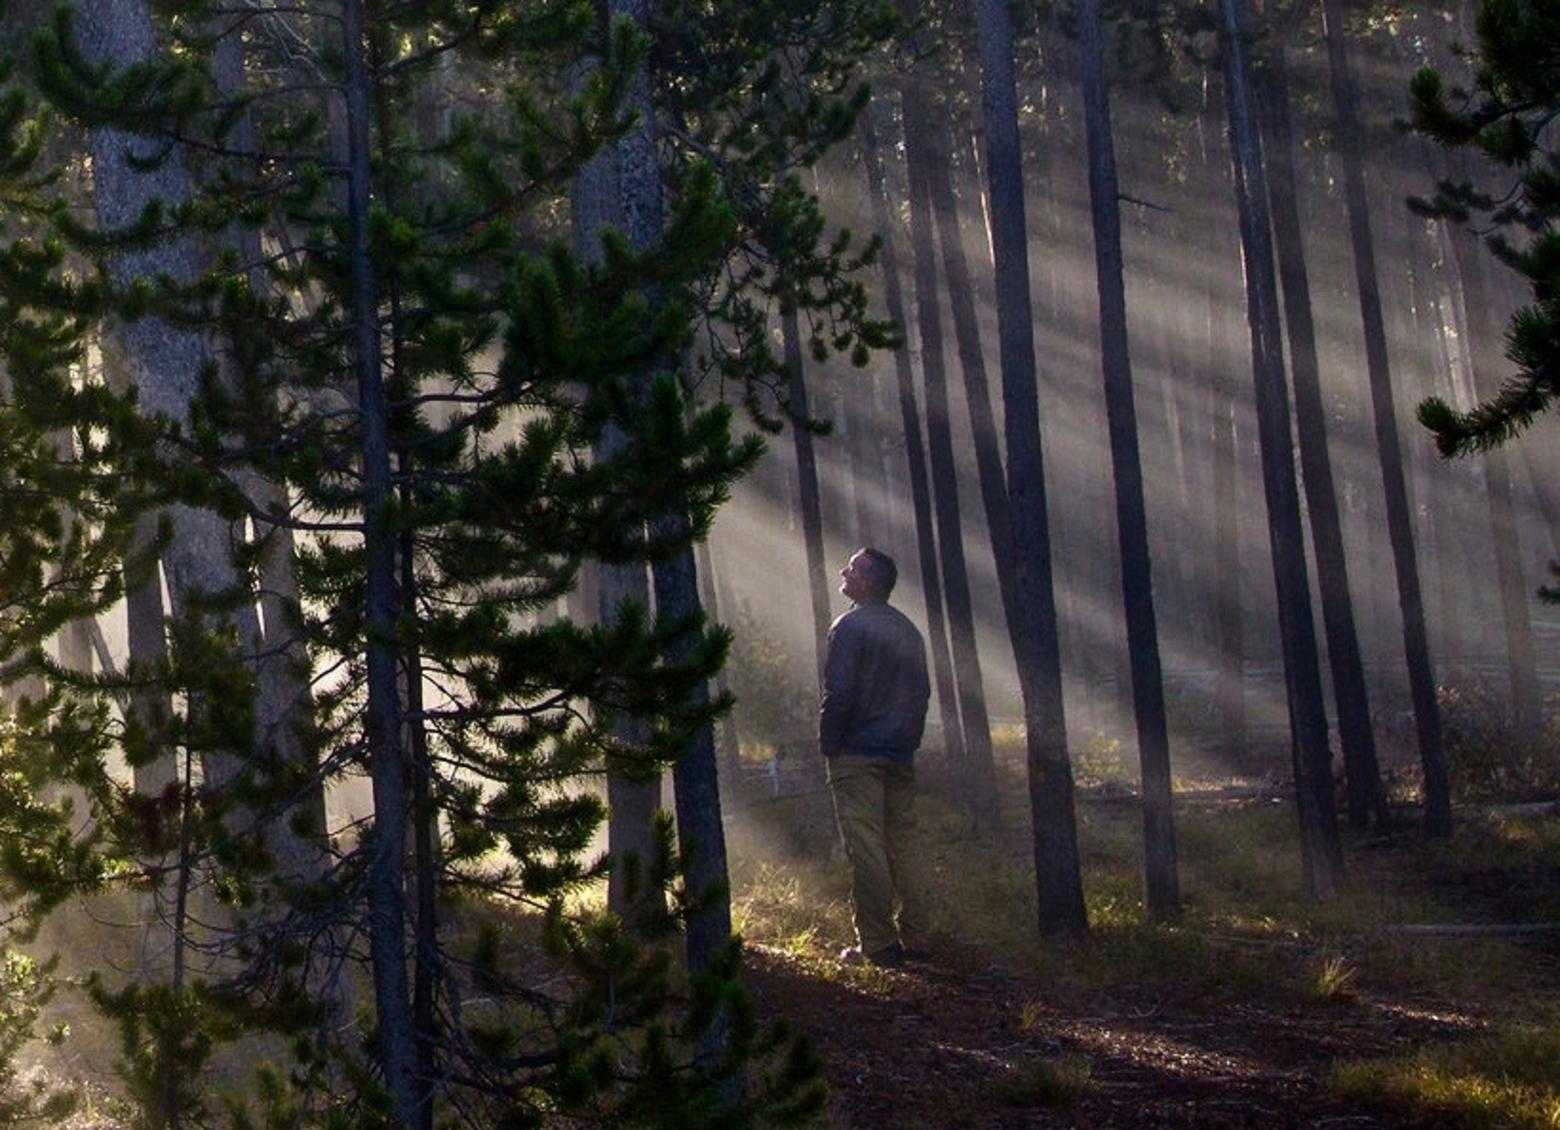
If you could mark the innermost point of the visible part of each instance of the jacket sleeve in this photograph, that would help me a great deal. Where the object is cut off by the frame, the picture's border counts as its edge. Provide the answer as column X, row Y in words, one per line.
column 839, row 679
column 921, row 691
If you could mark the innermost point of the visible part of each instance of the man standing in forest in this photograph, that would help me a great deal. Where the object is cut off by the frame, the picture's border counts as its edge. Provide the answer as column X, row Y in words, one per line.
column 870, row 722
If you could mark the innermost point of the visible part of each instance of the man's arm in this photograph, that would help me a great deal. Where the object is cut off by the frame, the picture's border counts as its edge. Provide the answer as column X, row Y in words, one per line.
column 921, row 684
column 839, row 678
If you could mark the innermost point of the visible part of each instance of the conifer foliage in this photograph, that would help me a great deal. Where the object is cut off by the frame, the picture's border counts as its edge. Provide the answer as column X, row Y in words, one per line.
column 388, row 359
column 1506, row 115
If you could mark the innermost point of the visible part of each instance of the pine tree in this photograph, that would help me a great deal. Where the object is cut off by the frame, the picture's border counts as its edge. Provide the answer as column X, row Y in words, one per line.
column 1504, row 115
column 438, row 383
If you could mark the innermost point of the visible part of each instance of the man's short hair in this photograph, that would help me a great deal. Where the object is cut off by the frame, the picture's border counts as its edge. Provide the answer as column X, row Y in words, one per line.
column 884, row 573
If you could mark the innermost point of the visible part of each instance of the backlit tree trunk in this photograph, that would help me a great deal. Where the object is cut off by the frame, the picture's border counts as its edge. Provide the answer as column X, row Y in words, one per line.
column 1400, row 529
column 915, row 452
column 1148, row 696
column 1058, row 879
column 1367, row 798
column 1320, row 847
column 920, row 153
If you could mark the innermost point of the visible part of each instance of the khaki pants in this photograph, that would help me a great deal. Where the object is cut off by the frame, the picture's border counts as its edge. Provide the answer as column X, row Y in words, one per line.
column 874, row 802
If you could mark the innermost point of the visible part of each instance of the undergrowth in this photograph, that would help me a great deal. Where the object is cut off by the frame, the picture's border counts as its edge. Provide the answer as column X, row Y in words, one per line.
column 1509, row 1080
column 1247, row 930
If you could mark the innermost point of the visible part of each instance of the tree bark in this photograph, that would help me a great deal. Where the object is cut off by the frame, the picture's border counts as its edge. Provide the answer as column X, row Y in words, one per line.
column 809, row 499
column 935, row 160
column 1485, row 353
column 1058, row 879
column 730, row 737
column 920, row 153
column 701, row 834
column 633, row 796
column 1148, row 696
column 382, row 723
column 1320, row 847
column 915, row 452
column 1227, row 640
column 1367, row 799
column 284, row 706
column 1400, row 528
column 146, row 639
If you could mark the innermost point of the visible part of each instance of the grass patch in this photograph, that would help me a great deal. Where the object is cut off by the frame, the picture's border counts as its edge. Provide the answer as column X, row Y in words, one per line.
column 1248, row 931
column 1055, row 1082
column 774, row 905
column 1506, row 1081
column 1334, row 981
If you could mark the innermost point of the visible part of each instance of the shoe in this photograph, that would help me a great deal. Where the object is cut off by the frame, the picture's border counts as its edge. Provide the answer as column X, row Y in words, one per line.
column 891, row 956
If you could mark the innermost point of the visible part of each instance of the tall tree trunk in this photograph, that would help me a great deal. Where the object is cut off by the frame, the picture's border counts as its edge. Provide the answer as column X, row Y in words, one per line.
column 700, row 832
column 1400, row 528
column 1367, row 799
column 961, row 289
column 1058, row 878
column 730, row 737
column 284, row 706
column 146, row 639
column 808, row 495
column 915, row 453
column 382, row 723
column 1320, row 847
column 936, row 163
column 1148, row 694
column 920, row 153
column 1228, row 639
column 695, row 778
column 163, row 361
column 1488, row 362
column 633, row 793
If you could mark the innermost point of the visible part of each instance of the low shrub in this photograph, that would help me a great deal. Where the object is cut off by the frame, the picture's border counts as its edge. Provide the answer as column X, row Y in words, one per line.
column 1487, row 759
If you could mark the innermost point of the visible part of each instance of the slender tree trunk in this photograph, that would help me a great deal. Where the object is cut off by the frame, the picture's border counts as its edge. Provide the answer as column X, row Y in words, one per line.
column 1320, row 847
column 1488, row 364
column 633, row 794
column 382, row 724
column 1058, row 877
column 1366, row 798
column 146, row 639
column 425, row 828
column 1227, row 640
column 1148, row 695
column 936, row 163
column 1449, row 571
column 961, row 288
column 915, row 454
column 701, row 835
column 809, row 498
column 700, row 832
column 920, row 153
column 730, row 738
column 284, row 707
column 1229, row 620
column 1400, row 528
column 163, row 361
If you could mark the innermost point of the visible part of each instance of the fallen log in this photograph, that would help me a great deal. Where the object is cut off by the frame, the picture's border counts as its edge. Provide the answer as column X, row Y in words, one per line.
column 1474, row 929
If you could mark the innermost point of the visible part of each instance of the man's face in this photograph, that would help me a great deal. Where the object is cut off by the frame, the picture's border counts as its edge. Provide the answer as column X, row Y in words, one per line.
column 856, row 580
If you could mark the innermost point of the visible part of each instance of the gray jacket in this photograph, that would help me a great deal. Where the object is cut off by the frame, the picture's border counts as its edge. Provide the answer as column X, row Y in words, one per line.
column 875, row 688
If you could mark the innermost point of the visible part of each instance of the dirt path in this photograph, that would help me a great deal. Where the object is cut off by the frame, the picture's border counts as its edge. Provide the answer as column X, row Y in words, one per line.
column 943, row 1043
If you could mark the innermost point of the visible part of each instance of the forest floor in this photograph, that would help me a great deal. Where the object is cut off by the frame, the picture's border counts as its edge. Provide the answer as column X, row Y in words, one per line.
column 1257, row 1008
